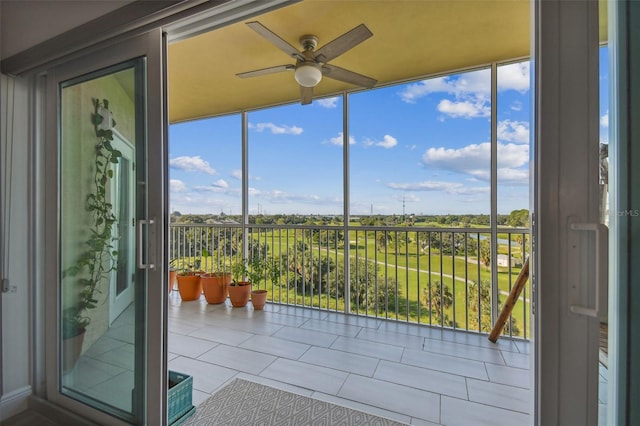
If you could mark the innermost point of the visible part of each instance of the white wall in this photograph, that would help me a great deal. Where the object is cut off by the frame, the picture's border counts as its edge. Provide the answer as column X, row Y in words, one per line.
column 15, row 304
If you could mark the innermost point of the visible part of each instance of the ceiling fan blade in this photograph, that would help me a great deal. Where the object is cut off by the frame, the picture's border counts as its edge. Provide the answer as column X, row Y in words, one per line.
column 306, row 95
column 275, row 39
column 346, row 41
column 265, row 71
column 347, row 76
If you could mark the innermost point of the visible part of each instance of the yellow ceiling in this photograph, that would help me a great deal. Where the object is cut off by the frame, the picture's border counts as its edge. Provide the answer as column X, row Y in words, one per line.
column 411, row 39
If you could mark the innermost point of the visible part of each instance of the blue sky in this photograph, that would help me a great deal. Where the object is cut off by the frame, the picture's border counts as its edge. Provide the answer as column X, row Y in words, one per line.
column 422, row 147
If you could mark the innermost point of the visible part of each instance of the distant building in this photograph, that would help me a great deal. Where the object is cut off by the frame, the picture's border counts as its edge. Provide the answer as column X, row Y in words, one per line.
column 503, row 260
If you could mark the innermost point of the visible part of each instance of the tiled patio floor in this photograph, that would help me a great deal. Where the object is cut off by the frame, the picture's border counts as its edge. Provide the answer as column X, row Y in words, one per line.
column 412, row 374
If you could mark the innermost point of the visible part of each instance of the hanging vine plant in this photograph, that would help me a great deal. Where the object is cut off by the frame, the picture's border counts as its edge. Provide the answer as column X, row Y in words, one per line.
column 99, row 257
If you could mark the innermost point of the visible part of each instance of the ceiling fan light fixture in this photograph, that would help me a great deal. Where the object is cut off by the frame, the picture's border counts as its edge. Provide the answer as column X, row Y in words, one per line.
column 308, row 74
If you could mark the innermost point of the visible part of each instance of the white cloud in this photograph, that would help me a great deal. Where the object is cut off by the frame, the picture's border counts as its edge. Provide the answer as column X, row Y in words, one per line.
column 277, row 130
column 513, row 176
column 208, row 188
column 469, row 93
column 408, row 198
column 192, row 164
column 439, row 186
column 176, row 185
column 339, row 140
column 516, row 106
column 604, row 120
column 474, row 160
column 463, row 85
column 237, row 175
column 513, row 131
column 426, row 186
column 418, row 90
column 514, row 77
column 327, row 102
column 220, row 183
column 465, row 109
column 387, row 142
column 277, row 196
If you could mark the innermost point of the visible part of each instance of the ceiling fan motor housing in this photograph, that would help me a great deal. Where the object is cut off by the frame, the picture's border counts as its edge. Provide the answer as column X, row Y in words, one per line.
column 309, row 42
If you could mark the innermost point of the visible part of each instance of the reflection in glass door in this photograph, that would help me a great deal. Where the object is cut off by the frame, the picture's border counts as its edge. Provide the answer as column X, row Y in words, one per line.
column 123, row 189
column 100, row 296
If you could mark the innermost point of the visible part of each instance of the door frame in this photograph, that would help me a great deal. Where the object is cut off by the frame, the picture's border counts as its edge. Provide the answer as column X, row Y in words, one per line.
column 565, row 190
column 151, row 46
column 624, row 341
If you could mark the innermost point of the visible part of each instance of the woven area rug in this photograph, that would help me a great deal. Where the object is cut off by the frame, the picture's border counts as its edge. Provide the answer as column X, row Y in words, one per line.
column 247, row 403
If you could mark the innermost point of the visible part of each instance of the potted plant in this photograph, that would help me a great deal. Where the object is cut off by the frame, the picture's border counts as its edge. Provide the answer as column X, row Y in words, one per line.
column 214, row 286
column 189, row 285
column 259, row 270
column 258, row 299
column 99, row 258
column 239, row 289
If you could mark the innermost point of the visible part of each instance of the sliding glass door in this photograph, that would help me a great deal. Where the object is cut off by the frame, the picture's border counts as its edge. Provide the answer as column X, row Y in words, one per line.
column 105, row 195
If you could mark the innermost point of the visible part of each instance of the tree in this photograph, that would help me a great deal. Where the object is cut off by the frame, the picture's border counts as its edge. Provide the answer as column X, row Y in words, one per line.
column 368, row 289
column 519, row 218
column 382, row 239
column 451, row 243
column 479, row 308
column 438, row 299
column 309, row 274
column 397, row 241
column 485, row 253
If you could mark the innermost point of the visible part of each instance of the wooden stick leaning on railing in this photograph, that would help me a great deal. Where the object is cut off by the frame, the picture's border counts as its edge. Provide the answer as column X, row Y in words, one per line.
column 511, row 302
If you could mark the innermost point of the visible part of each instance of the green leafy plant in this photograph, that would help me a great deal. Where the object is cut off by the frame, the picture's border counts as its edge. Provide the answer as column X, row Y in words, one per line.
column 99, row 257
column 190, row 268
column 258, row 270
column 239, row 272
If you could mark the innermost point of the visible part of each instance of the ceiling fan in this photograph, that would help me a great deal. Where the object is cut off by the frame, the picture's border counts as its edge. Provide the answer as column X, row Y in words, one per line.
column 311, row 64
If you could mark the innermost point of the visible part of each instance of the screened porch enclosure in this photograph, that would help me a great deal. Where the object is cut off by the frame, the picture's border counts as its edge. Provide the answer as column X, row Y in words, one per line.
column 406, row 202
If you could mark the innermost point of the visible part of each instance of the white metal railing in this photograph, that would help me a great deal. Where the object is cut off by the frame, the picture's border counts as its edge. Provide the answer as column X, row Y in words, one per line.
column 435, row 276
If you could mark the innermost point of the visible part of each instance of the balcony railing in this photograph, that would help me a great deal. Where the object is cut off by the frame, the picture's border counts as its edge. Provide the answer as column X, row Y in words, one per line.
column 436, row 276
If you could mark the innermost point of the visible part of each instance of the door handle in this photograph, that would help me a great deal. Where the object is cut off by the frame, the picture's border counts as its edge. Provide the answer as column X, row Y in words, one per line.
column 601, row 233
column 141, row 261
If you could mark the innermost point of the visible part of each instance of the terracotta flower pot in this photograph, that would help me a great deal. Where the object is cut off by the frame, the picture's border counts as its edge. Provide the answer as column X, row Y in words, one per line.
column 258, row 299
column 189, row 286
column 239, row 293
column 172, row 279
column 215, row 285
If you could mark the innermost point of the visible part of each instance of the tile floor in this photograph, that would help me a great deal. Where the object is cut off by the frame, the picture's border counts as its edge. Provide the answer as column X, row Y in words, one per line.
column 413, row 374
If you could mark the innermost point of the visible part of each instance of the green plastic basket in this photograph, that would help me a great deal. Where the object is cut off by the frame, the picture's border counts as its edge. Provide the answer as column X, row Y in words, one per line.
column 179, row 398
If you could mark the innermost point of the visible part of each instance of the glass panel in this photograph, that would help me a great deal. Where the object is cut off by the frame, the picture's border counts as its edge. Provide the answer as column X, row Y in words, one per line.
column 420, row 160
column 420, row 152
column 206, row 169
column 295, row 162
column 513, row 118
column 100, row 348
